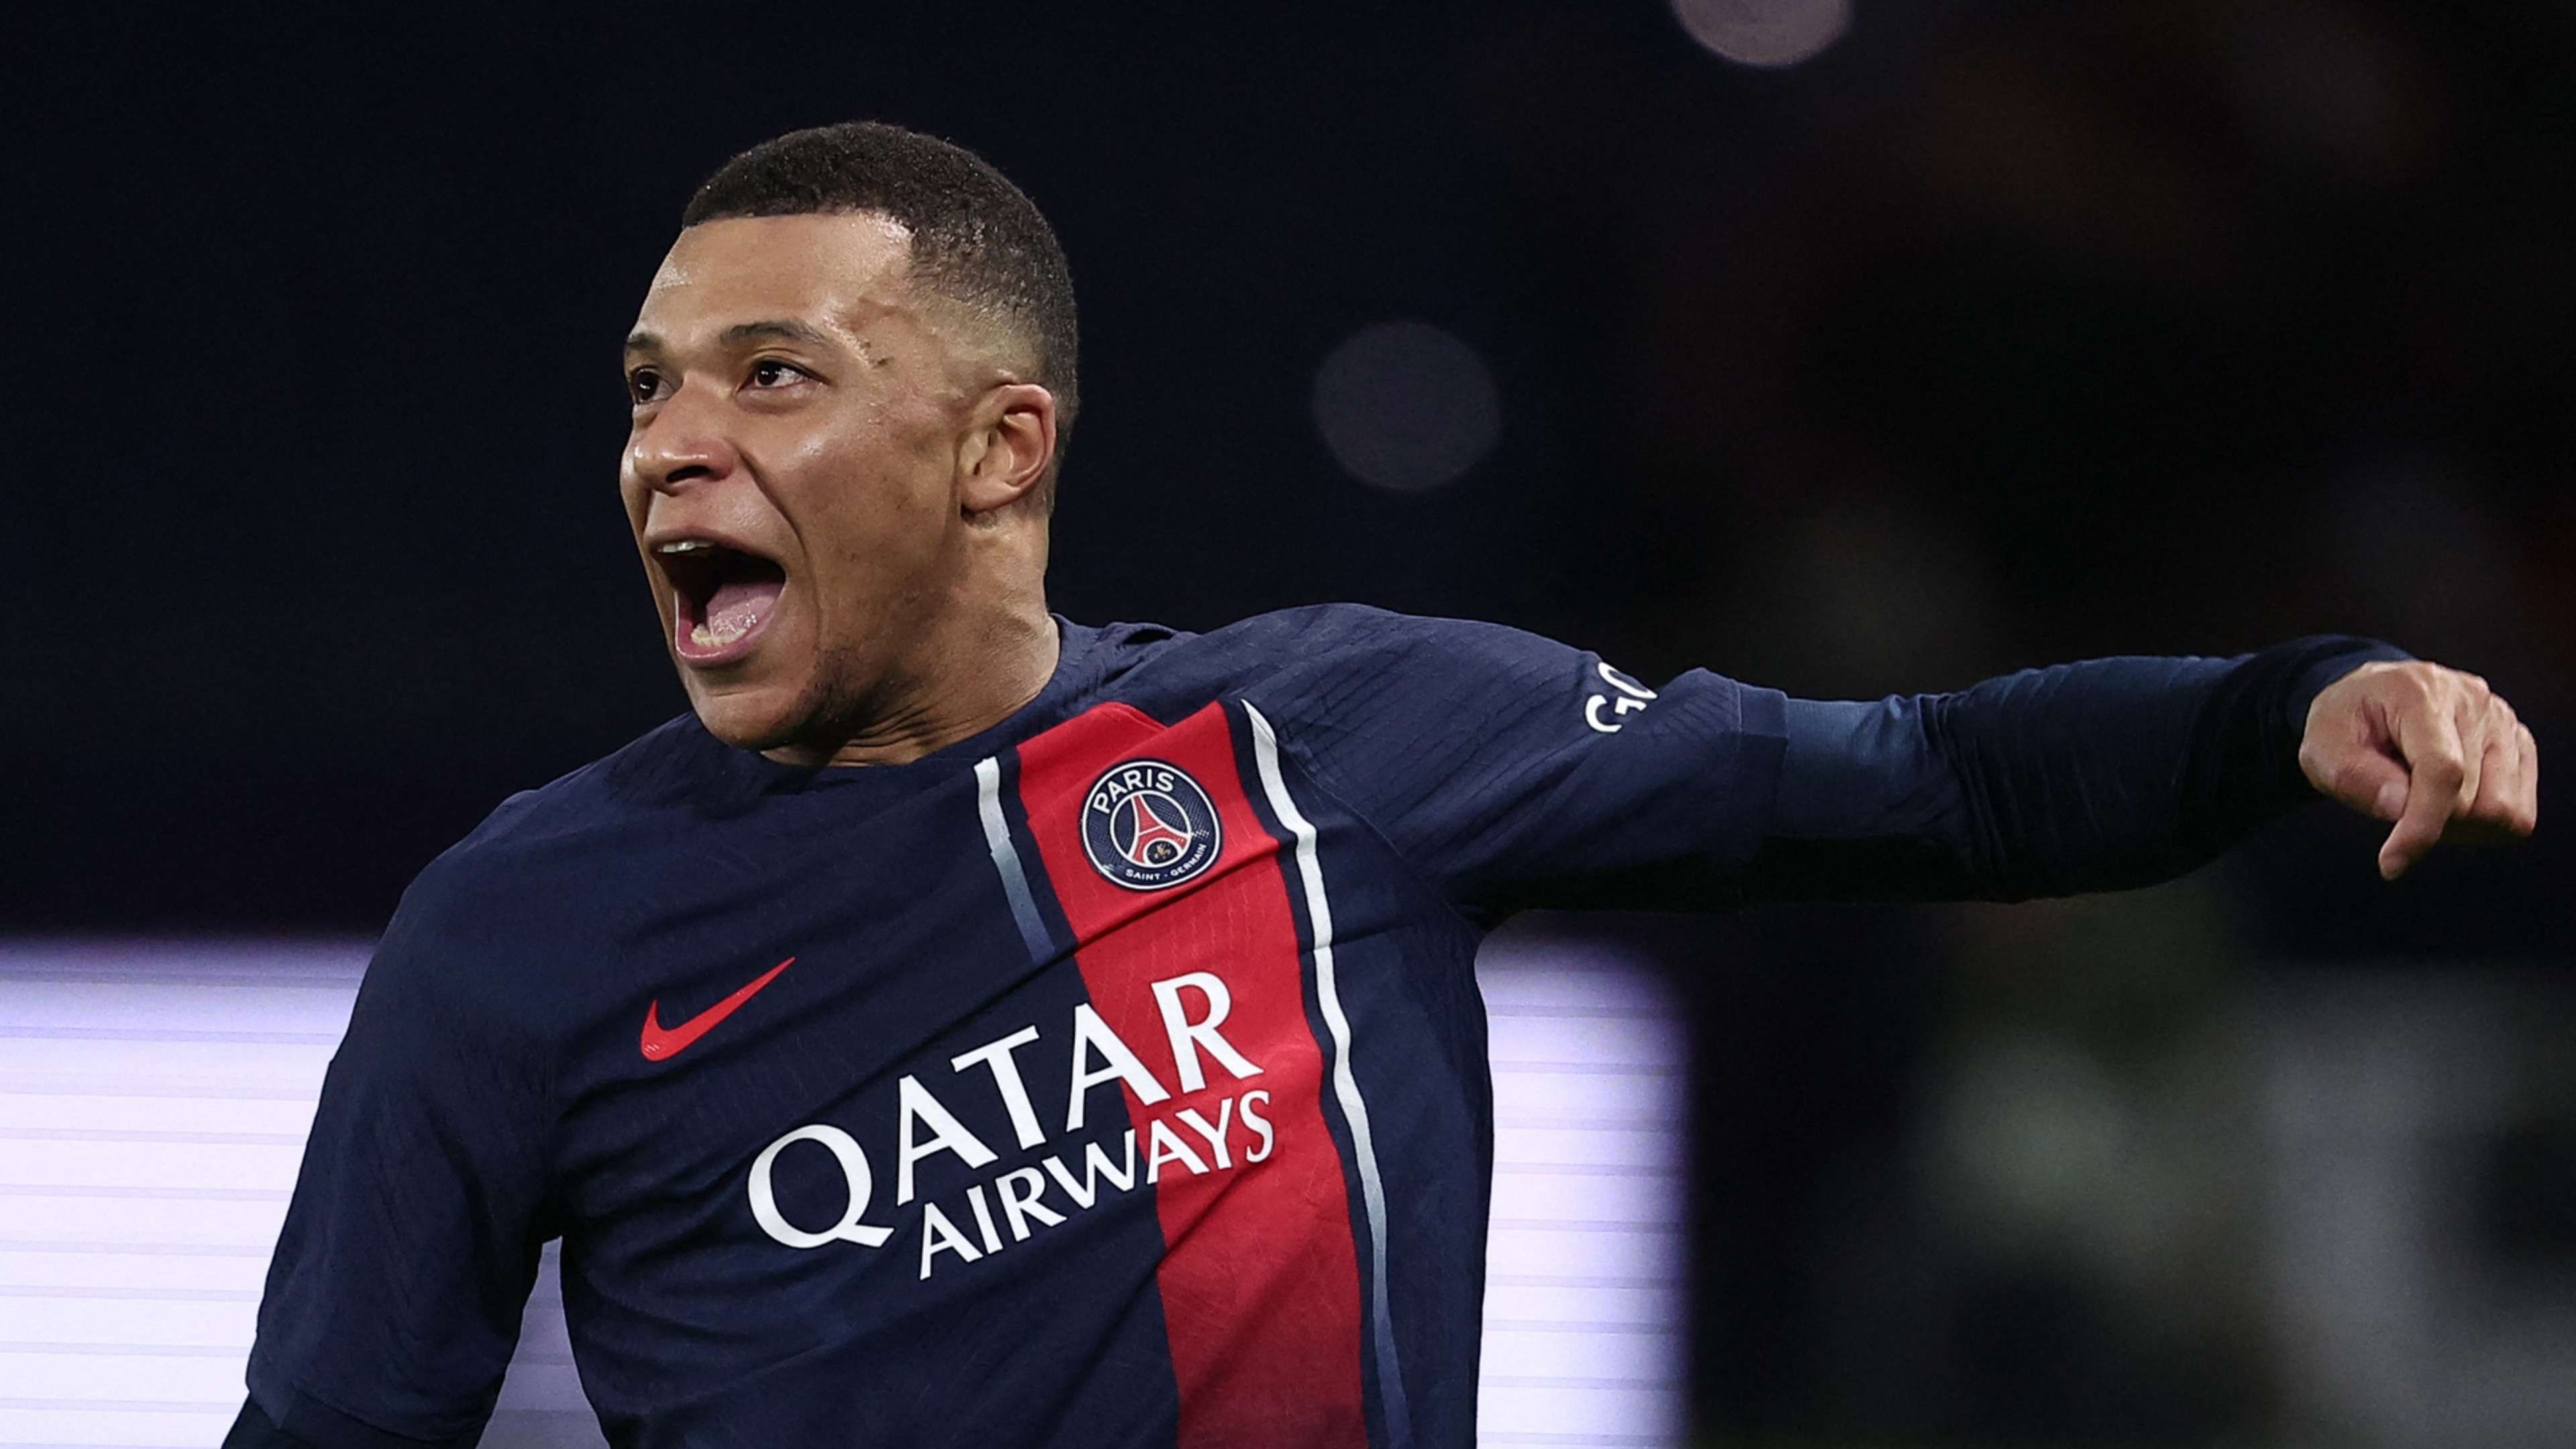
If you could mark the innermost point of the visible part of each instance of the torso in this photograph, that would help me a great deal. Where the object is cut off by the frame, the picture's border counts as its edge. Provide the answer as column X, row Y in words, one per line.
column 1122, row 1089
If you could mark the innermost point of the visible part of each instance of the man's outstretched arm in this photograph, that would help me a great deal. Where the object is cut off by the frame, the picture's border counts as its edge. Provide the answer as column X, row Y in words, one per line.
column 2121, row 772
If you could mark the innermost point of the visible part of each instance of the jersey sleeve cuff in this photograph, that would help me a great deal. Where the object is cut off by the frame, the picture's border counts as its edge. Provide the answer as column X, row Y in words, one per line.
column 2305, row 667
column 2342, row 655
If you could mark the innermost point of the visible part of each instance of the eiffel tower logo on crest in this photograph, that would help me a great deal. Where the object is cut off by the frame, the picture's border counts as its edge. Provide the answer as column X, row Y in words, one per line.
column 1154, row 837
column 1148, row 826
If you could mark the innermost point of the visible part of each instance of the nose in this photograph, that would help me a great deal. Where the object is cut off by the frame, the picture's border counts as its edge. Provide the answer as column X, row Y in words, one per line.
column 684, row 441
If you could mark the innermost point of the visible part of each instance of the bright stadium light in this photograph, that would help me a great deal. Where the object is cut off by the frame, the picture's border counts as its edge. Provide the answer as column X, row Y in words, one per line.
column 1768, row 33
column 1405, row 406
column 155, row 1098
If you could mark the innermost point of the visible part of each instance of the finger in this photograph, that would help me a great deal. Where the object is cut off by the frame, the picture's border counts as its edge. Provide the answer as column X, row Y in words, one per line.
column 2435, row 771
column 2530, row 802
column 2498, row 803
column 2469, row 718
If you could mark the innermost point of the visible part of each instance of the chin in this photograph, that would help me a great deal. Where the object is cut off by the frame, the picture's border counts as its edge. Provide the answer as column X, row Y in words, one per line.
column 751, row 717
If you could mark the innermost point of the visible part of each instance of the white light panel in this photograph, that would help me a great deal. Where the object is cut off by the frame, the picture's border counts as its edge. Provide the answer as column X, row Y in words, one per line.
column 154, row 1098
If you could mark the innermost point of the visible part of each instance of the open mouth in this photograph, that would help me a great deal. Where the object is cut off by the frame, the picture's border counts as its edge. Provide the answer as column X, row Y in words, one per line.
column 721, row 597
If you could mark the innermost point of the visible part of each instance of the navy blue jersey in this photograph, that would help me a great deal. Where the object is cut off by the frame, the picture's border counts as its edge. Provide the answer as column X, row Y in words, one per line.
column 1116, row 1076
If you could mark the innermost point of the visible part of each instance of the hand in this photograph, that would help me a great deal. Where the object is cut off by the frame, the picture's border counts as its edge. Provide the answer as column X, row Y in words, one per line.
column 2432, row 750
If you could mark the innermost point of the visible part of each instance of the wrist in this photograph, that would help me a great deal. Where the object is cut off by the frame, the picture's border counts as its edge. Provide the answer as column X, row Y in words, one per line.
column 2339, row 657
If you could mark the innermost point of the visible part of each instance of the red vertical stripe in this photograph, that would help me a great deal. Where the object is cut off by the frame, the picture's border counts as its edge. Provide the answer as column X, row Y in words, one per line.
column 1260, row 1276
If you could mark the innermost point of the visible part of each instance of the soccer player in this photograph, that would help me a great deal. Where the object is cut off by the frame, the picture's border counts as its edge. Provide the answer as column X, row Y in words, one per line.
column 966, row 1026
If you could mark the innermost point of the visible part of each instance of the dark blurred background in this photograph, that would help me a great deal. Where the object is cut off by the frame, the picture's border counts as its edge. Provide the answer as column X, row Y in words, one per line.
column 1848, row 352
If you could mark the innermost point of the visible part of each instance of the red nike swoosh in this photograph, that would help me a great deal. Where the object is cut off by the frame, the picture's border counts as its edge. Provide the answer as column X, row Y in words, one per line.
column 660, row 1045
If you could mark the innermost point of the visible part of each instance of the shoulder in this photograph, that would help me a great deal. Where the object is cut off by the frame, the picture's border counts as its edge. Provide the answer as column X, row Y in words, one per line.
column 1361, row 630
column 502, row 898
column 1295, row 652
column 665, row 766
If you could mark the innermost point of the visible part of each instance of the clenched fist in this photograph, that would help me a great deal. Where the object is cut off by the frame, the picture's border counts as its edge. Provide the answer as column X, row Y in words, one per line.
column 2431, row 749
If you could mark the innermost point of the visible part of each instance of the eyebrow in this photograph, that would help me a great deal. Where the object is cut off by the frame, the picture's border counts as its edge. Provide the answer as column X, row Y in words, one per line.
column 768, row 330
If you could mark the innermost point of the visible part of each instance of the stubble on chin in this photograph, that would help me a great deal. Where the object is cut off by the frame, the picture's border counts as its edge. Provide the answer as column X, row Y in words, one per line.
column 747, row 721
column 841, row 699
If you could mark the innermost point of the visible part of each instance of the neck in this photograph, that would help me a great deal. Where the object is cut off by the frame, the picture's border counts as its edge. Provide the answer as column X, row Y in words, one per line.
column 969, row 681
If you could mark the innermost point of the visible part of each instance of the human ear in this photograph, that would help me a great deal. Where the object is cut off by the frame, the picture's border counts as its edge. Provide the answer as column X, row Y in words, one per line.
column 1005, row 453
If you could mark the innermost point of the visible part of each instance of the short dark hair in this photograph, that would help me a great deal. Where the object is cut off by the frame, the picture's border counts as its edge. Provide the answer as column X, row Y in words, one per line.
column 976, row 238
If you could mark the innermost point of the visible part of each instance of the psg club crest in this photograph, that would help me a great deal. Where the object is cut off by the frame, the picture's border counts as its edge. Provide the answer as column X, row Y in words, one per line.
column 1148, row 826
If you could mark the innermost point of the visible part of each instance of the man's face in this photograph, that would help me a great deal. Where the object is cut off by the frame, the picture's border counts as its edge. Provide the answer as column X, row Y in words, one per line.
column 790, row 474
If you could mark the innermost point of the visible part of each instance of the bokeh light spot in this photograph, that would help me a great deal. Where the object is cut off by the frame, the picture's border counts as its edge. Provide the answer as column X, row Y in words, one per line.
column 1406, row 406
column 1765, row 32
